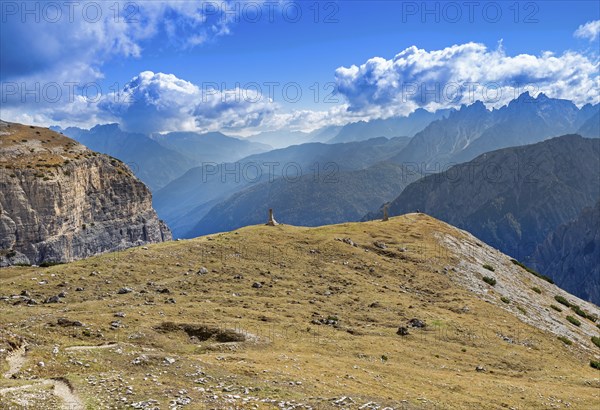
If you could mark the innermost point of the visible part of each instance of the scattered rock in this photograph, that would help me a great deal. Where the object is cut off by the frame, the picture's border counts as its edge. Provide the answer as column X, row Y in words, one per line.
column 169, row 360
column 52, row 299
column 125, row 290
column 78, row 289
column 119, row 314
column 257, row 285
column 66, row 322
column 417, row 323
column 203, row 271
column 402, row 331
column 140, row 360
column 349, row 241
column 480, row 369
column 380, row 245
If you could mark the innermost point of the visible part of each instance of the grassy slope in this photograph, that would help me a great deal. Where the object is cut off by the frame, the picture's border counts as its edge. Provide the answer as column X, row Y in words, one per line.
column 362, row 358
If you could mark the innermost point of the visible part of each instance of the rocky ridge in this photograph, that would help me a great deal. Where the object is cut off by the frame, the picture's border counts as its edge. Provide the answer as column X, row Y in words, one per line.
column 61, row 201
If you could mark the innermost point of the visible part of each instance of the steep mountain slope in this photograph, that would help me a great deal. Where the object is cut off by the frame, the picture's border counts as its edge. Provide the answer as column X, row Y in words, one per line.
column 591, row 128
column 60, row 201
column 274, row 307
column 311, row 200
column 514, row 197
column 154, row 164
column 390, row 127
column 435, row 146
column 473, row 130
column 210, row 147
column 571, row 255
column 183, row 202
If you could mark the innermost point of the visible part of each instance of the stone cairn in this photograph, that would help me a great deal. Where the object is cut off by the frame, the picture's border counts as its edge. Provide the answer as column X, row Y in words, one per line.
column 272, row 221
column 385, row 213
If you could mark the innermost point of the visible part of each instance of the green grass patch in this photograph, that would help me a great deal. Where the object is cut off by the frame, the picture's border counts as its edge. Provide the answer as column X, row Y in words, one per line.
column 562, row 300
column 565, row 340
column 533, row 272
column 574, row 321
column 47, row 264
column 556, row 308
column 583, row 313
column 490, row 281
column 505, row 299
column 595, row 364
column 536, row 290
column 596, row 340
column 489, row 267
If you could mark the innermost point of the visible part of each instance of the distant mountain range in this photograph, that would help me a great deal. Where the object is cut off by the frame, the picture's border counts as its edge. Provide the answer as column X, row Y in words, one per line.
column 473, row 129
column 312, row 200
column 285, row 138
column 391, row 127
column 185, row 201
column 513, row 198
column 159, row 159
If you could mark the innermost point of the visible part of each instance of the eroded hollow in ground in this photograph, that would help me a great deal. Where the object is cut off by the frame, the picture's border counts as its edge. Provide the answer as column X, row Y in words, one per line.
column 203, row 333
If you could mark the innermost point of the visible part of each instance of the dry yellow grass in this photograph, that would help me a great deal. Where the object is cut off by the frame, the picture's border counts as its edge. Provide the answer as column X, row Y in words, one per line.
column 307, row 275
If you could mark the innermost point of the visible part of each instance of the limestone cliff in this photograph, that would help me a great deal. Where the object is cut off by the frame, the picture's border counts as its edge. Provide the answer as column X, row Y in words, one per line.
column 60, row 201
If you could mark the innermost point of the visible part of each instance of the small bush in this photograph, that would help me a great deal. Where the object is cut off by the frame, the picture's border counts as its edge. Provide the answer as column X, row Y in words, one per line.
column 533, row 272
column 595, row 364
column 536, row 290
column 556, row 308
column 562, row 300
column 565, row 340
column 573, row 321
column 596, row 340
column 489, row 281
column 489, row 267
column 505, row 299
column 47, row 264
column 522, row 310
column 583, row 313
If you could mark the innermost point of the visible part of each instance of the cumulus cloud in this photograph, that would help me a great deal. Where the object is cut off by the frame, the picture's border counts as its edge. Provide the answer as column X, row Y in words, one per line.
column 589, row 30
column 462, row 74
column 158, row 102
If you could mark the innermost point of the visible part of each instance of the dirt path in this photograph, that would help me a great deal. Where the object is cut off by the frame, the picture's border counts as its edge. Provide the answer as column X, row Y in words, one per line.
column 62, row 388
column 106, row 346
column 16, row 360
column 64, row 391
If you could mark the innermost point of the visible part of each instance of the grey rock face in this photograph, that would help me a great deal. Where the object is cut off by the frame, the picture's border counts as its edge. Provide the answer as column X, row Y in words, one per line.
column 571, row 255
column 60, row 202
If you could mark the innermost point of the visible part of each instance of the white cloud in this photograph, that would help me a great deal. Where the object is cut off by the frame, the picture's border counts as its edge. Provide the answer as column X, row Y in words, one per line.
column 50, row 41
column 162, row 102
column 463, row 74
column 589, row 30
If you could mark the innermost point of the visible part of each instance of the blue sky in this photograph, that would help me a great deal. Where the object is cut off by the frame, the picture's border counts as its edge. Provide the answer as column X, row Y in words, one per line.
column 200, row 45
